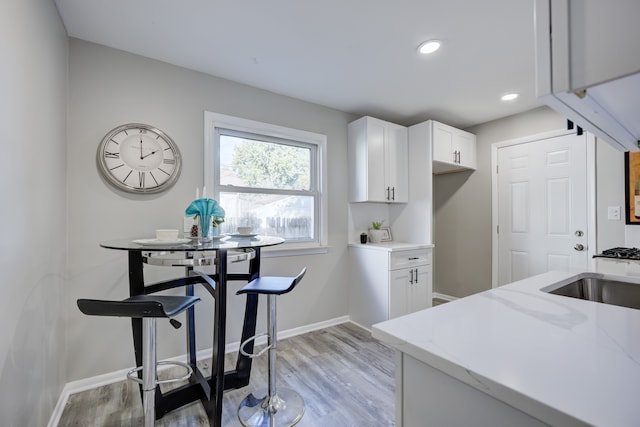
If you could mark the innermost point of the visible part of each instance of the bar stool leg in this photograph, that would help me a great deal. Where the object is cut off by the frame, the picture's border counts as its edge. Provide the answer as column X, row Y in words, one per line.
column 278, row 407
column 149, row 369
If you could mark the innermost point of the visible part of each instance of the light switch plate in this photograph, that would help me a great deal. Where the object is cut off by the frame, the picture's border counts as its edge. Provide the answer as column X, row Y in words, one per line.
column 613, row 213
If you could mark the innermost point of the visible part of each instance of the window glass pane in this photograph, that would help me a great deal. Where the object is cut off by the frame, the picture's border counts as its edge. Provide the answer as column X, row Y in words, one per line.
column 287, row 216
column 248, row 162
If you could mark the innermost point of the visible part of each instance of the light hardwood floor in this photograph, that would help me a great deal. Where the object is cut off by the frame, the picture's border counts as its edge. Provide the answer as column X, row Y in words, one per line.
column 345, row 377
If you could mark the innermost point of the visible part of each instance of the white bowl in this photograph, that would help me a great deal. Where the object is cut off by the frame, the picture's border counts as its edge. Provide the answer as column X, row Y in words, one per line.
column 167, row 235
column 244, row 230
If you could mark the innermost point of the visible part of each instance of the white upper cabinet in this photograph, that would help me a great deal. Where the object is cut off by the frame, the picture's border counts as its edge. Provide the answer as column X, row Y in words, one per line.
column 588, row 65
column 378, row 161
column 453, row 149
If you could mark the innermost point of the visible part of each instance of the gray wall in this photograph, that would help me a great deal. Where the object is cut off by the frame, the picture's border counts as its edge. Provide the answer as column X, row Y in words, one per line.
column 108, row 88
column 610, row 192
column 33, row 88
column 462, row 204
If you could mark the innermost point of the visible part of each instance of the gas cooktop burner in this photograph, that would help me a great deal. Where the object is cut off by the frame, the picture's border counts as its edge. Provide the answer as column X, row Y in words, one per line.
column 620, row 253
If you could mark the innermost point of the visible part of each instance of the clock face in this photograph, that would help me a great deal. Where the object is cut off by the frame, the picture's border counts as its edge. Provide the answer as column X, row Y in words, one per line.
column 139, row 158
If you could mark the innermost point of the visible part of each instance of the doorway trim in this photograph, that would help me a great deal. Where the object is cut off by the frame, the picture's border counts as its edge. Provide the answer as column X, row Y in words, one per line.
column 591, row 191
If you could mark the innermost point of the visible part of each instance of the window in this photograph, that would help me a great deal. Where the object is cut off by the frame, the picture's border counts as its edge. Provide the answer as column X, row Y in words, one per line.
column 267, row 177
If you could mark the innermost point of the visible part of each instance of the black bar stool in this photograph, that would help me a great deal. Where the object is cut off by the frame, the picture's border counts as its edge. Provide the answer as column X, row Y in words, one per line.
column 149, row 308
column 281, row 407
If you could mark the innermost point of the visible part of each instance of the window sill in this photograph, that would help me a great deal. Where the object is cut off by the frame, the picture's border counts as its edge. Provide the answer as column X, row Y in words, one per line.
column 293, row 250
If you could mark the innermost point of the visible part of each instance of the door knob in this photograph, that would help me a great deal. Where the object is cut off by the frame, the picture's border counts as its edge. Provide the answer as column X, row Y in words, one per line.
column 579, row 247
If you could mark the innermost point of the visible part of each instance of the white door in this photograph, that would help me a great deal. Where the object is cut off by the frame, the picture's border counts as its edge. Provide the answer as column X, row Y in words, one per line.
column 542, row 207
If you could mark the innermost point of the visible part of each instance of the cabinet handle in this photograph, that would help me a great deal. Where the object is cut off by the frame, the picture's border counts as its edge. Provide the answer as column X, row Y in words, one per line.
column 388, row 189
column 393, row 193
column 411, row 279
column 416, row 280
column 413, row 258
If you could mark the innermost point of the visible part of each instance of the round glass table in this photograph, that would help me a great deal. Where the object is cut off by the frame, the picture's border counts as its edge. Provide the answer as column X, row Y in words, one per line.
column 189, row 253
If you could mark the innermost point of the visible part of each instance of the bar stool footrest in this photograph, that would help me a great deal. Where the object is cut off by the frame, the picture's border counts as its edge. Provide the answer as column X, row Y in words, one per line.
column 132, row 374
column 253, row 338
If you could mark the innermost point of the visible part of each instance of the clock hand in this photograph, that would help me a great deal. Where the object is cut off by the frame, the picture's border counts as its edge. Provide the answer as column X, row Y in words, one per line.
column 141, row 147
column 145, row 156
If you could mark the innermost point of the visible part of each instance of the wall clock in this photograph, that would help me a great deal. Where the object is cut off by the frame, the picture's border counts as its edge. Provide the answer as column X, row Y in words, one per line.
column 139, row 158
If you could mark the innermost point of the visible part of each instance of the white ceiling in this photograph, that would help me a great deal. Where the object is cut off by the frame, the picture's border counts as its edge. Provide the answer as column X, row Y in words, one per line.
column 357, row 56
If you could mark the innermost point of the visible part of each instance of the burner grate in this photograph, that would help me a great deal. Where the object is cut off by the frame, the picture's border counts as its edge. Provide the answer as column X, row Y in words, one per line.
column 620, row 253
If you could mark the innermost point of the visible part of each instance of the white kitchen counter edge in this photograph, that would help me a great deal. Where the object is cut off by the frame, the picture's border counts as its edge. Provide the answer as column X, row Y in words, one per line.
column 540, row 353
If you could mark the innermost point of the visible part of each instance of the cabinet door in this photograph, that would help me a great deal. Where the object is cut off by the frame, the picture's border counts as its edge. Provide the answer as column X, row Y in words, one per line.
column 453, row 149
column 465, row 144
column 396, row 173
column 409, row 290
column 419, row 291
column 398, row 292
column 584, row 36
column 377, row 141
column 442, row 143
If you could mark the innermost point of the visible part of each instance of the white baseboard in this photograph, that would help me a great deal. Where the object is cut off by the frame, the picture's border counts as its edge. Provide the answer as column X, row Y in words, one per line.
column 443, row 296
column 112, row 377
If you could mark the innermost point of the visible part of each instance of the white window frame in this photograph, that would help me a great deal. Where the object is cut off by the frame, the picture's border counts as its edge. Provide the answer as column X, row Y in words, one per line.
column 214, row 121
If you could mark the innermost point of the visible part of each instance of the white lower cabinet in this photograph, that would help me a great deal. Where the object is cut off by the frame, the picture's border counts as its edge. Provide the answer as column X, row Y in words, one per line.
column 388, row 282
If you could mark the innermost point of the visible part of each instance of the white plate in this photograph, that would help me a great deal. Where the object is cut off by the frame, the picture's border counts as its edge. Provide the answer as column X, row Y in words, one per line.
column 242, row 235
column 156, row 242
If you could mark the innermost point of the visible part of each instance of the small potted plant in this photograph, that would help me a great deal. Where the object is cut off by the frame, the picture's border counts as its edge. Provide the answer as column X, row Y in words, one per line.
column 375, row 233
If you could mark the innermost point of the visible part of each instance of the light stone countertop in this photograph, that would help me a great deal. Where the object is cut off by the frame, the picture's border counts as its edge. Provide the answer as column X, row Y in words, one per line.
column 561, row 360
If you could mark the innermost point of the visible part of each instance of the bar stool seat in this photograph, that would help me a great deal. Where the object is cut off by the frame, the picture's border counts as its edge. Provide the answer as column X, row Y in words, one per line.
column 271, row 407
column 149, row 308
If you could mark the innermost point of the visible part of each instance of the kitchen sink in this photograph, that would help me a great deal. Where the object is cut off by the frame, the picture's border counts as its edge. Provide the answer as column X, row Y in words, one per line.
column 595, row 288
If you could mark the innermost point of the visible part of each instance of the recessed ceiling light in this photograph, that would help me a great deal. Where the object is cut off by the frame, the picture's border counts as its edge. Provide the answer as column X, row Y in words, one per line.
column 509, row 96
column 429, row 46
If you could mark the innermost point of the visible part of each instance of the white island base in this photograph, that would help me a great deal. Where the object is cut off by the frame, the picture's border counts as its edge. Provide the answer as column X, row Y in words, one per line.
column 426, row 396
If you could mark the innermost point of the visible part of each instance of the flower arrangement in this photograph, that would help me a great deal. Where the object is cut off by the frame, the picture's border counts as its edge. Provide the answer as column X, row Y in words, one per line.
column 215, row 220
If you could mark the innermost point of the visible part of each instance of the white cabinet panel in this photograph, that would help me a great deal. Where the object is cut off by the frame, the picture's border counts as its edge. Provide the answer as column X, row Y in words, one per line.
column 399, row 292
column 453, row 149
column 387, row 284
column 424, row 398
column 411, row 258
column 589, row 71
column 378, row 161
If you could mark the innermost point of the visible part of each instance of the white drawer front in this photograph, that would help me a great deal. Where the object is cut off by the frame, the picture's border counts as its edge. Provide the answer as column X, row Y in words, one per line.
column 405, row 259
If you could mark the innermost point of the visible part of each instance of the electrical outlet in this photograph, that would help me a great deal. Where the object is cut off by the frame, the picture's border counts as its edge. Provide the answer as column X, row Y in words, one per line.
column 613, row 213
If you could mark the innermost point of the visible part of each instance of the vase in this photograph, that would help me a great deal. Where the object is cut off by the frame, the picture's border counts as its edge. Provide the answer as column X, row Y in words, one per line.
column 204, row 228
column 375, row 236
